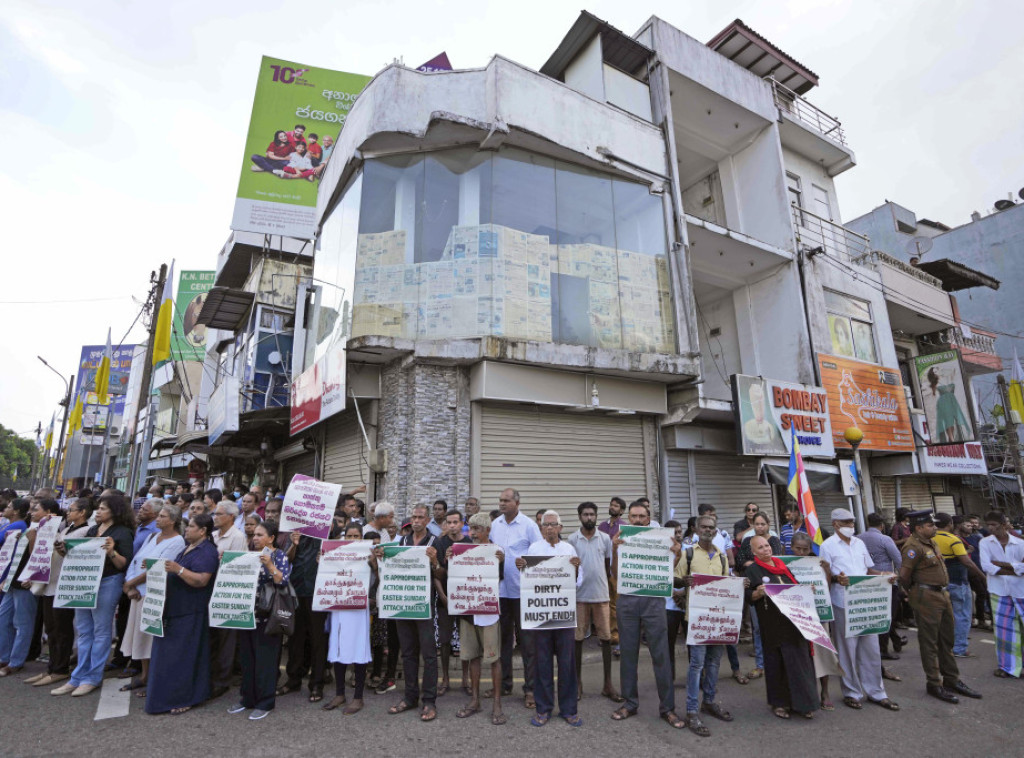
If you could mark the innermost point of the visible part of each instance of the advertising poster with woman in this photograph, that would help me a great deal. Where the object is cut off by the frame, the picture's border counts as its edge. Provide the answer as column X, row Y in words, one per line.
column 942, row 393
column 297, row 114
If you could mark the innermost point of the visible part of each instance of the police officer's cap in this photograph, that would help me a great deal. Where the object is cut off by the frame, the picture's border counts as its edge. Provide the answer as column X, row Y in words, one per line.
column 920, row 518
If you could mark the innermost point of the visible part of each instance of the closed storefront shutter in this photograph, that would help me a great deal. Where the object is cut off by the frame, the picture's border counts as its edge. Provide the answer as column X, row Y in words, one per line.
column 345, row 454
column 729, row 482
column 679, row 487
column 304, row 463
column 887, row 497
column 825, row 503
column 915, row 493
column 558, row 460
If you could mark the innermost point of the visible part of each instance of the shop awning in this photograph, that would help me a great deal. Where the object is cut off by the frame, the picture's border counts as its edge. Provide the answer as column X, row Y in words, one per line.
column 226, row 308
column 822, row 477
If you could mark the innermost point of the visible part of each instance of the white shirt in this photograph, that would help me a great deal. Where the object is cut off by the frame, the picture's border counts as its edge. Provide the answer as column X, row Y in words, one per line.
column 230, row 541
column 852, row 559
column 543, row 547
column 990, row 550
column 514, row 539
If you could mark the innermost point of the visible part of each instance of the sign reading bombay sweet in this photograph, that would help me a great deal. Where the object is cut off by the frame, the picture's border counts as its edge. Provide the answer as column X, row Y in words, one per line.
column 769, row 409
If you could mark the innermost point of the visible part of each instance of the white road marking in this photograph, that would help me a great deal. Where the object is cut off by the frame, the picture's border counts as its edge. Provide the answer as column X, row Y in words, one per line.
column 113, row 704
column 988, row 642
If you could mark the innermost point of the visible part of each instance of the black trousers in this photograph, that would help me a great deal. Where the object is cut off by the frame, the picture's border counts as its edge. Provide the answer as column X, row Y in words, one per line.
column 60, row 635
column 510, row 631
column 982, row 609
column 124, row 605
column 309, row 634
column 35, row 649
column 222, row 656
column 676, row 621
column 258, row 654
column 416, row 639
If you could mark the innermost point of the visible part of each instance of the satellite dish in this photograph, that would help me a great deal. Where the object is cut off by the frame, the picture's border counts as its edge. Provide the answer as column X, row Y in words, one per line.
column 1002, row 205
column 1020, row 193
column 274, row 358
column 918, row 246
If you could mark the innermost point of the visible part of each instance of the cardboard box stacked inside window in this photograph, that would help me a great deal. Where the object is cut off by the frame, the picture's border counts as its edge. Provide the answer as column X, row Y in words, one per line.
column 496, row 281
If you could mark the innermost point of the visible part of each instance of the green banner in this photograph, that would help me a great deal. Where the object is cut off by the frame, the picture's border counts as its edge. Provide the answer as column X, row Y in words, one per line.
column 151, row 617
column 233, row 602
column 868, row 605
column 188, row 338
column 405, row 583
column 808, row 570
column 78, row 585
column 645, row 561
column 282, row 162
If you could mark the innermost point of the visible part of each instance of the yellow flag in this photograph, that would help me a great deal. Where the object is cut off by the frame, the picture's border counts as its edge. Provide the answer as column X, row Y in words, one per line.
column 164, row 317
column 75, row 419
column 103, row 374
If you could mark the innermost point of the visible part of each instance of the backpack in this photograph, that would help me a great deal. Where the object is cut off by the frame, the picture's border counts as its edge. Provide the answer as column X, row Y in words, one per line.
column 721, row 555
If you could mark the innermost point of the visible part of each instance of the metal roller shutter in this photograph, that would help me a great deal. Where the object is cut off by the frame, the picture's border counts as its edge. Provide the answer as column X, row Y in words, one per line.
column 915, row 493
column 300, row 464
column 345, row 454
column 678, row 496
column 729, row 482
column 558, row 460
column 887, row 497
column 825, row 503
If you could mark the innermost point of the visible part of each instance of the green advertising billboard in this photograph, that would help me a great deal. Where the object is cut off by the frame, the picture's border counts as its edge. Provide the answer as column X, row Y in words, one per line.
column 283, row 162
column 188, row 338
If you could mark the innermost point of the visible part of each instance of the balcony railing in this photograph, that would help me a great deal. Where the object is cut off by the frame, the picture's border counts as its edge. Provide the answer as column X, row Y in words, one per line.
column 800, row 109
column 813, row 231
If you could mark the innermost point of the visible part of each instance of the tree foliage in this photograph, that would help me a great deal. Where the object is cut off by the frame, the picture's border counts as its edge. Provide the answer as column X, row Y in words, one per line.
column 15, row 457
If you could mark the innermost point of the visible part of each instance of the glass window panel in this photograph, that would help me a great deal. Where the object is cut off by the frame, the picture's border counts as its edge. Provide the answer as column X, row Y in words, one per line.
column 863, row 341
column 842, row 336
column 523, row 192
column 639, row 219
column 847, row 306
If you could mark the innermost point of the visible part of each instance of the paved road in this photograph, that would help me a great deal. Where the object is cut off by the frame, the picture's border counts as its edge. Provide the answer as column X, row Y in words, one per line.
column 35, row 724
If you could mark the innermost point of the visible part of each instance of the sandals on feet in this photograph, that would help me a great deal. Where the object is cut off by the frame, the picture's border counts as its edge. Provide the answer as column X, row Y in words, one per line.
column 287, row 689
column 782, row 713
column 540, row 719
column 695, row 725
column 716, row 710
column 402, row 707
column 497, row 719
column 529, row 701
column 336, row 702
column 315, row 696
column 465, row 713
column 614, row 696
column 756, row 674
column 355, row 707
column 738, row 676
column 573, row 720
column 827, row 705
column 179, row 711
column 886, row 703
column 428, row 713
column 442, row 690
column 852, row 702
column 622, row 714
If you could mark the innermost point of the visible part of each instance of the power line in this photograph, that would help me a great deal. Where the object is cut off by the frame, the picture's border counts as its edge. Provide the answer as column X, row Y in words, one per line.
column 64, row 300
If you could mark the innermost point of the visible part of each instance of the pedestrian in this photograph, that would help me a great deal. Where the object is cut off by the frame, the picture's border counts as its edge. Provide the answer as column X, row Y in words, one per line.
column 967, row 529
column 554, row 644
column 723, row 541
column 307, row 645
column 860, row 657
column 615, row 520
column 593, row 606
column 960, row 568
column 826, row 663
column 1002, row 558
column 886, row 558
column 513, row 531
column 447, row 624
column 644, row 615
column 924, row 576
column 224, row 642
column 675, row 604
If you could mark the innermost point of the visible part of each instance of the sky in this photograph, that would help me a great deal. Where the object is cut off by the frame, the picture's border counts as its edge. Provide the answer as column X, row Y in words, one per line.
column 126, row 125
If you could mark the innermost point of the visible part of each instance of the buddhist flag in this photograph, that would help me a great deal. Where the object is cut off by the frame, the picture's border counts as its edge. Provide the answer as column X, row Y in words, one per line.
column 75, row 419
column 1016, row 386
column 801, row 492
column 164, row 319
column 103, row 374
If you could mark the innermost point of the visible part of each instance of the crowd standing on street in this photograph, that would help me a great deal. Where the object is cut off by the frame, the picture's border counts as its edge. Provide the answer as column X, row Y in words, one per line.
column 948, row 574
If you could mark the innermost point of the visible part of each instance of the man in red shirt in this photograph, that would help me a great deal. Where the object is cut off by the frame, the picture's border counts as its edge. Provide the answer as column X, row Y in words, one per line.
column 296, row 135
column 316, row 153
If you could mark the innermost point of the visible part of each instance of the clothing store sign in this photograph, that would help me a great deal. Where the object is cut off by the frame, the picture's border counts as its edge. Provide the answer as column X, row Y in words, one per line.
column 965, row 458
column 766, row 411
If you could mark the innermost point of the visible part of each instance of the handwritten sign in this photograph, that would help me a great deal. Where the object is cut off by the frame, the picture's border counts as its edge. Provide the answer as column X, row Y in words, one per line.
column 19, row 553
column 343, row 576
column 233, row 602
column 38, row 567
column 151, row 616
column 7, row 552
column 308, row 506
column 78, row 585
column 799, row 603
column 473, row 580
column 405, row 584
column 714, row 610
column 548, row 592
column 645, row 561
column 868, row 605
column 808, row 570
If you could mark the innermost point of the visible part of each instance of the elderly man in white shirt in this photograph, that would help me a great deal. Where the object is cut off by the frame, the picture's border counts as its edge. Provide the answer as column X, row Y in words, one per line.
column 860, row 657
column 1002, row 559
column 228, row 537
column 514, row 532
column 552, row 643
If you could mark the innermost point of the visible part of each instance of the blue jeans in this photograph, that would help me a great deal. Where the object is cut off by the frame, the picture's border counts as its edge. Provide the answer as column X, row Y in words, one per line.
column 95, row 629
column 758, row 649
column 17, row 622
column 706, row 658
column 960, row 594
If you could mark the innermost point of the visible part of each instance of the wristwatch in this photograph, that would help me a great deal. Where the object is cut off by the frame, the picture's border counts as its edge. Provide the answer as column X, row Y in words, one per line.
column 181, row 571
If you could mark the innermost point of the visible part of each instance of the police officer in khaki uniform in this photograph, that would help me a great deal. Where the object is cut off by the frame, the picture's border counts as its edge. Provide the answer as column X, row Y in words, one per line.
column 924, row 576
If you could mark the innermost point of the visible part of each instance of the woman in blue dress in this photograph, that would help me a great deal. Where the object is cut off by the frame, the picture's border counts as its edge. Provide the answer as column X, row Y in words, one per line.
column 179, row 669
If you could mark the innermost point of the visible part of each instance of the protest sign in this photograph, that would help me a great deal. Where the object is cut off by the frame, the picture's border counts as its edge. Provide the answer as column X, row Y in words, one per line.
column 405, row 583
column 151, row 616
column 19, row 553
column 233, row 603
column 81, row 573
column 868, row 605
column 473, row 580
column 715, row 609
column 548, row 592
column 38, row 567
column 7, row 552
column 308, row 506
column 798, row 603
column 808, row 570
column 645, row 561
column 343, row 576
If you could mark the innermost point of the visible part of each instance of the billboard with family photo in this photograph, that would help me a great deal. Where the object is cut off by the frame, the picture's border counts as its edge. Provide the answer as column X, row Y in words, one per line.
column 297, row 114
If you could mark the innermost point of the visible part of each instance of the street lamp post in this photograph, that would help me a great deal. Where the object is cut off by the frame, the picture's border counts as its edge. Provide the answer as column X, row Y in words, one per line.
column 855, row 436
column 66, row 404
